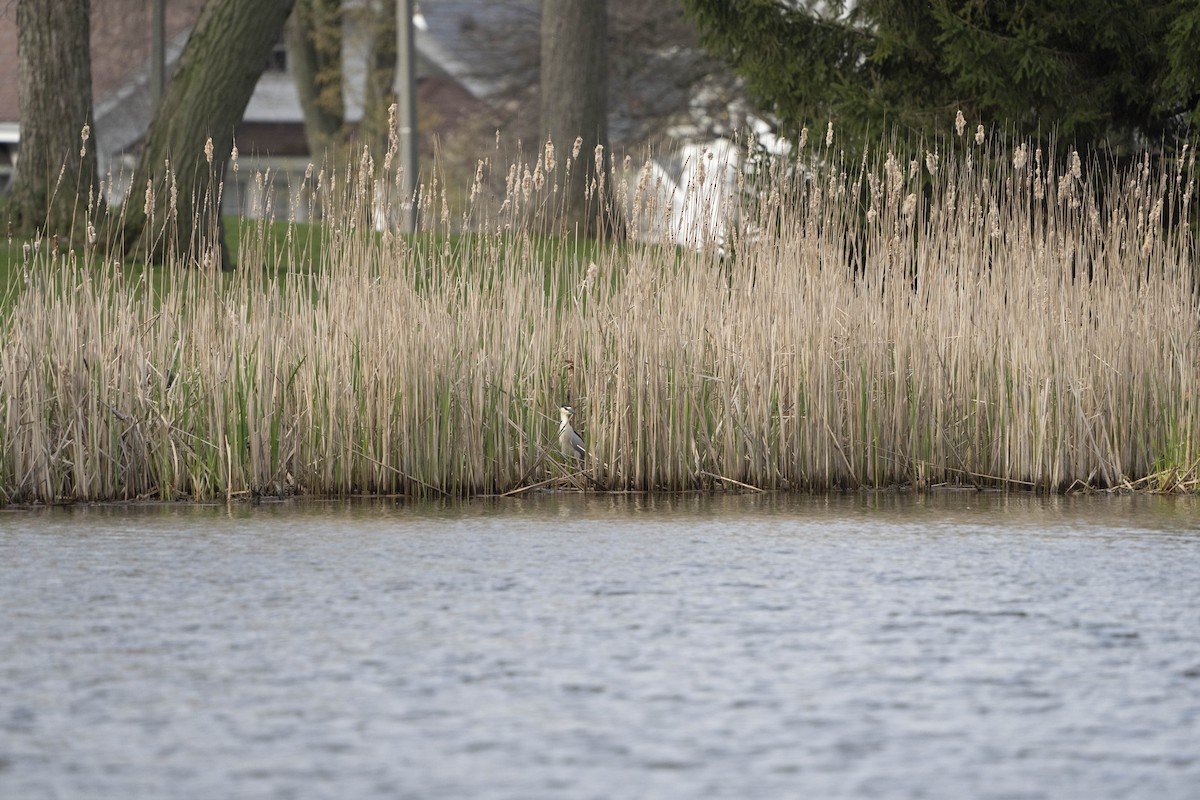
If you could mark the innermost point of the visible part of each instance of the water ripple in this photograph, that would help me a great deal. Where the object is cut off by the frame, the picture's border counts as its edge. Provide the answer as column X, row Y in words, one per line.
column 979, row 646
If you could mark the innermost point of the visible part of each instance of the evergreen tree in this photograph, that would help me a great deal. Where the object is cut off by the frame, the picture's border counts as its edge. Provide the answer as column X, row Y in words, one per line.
column 1101, row 74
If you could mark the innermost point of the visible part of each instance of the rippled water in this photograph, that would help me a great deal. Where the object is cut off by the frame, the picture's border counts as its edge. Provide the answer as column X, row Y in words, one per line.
column 958, row 645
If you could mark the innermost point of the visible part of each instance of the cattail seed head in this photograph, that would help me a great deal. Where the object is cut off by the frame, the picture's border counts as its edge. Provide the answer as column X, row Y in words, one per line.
column 960, row 123
column 979, row 135
column 829, row 134
column 1020, row 157
column 1064, row 188
column 208, row 150
column 895, row 178
column 366, row 165
column 477, row 185
column 510, row 182
column 393, row 137
column 578, row 146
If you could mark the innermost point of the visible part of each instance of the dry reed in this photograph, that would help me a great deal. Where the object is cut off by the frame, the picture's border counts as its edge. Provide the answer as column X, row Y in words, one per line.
column 975, row 314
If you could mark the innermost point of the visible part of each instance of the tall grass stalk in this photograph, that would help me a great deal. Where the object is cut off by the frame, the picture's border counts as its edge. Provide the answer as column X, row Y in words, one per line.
column 985, row 316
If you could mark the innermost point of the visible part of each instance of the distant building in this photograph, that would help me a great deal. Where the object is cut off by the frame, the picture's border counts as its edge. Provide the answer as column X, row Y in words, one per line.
column 271, row 135
column 473, row 55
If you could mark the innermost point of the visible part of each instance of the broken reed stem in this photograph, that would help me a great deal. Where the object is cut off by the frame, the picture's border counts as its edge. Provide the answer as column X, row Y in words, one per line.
column 903, row 319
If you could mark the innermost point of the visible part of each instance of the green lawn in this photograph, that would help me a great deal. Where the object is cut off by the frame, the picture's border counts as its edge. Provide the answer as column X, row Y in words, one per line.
column 306, row 242
column 304, row 248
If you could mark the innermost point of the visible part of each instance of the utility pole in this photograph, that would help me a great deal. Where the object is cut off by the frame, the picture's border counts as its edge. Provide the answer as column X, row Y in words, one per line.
column 158, row 50
column 406, row 97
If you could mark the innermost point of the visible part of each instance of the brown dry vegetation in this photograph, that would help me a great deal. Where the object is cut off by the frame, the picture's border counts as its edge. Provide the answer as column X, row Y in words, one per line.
column 981, row 317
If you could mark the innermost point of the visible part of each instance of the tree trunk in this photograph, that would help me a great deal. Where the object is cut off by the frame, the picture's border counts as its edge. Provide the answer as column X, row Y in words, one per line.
column 314, row 40
column 56, row 166
column 206, row 97
column 574, row 106
column 381, row 73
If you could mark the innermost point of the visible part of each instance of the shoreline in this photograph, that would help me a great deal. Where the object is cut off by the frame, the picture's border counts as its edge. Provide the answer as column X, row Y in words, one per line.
column 246, row 499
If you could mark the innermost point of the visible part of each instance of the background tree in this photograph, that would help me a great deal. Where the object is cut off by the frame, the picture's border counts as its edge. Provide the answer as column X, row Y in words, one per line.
column 657, row 76
column 574, row 105
column 659, row 80
column 205, row 97
column 379, row 25
column 314, row 43
column 55, row 171
column 316, row 39
column 1102, row 74
column 1181, row 88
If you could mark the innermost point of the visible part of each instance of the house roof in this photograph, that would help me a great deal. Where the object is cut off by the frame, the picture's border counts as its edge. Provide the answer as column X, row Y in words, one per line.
column 448, row 40
column 486, row 45
column 454, row 37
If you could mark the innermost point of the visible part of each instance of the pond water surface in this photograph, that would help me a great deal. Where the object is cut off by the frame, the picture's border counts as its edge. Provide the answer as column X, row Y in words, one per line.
column 564, row 646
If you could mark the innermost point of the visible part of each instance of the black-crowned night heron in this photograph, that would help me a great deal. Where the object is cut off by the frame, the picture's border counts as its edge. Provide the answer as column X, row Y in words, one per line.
column 568, row 438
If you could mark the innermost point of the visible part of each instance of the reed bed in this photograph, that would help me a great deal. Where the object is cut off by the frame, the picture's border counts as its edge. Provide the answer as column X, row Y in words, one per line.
column 970, row 312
